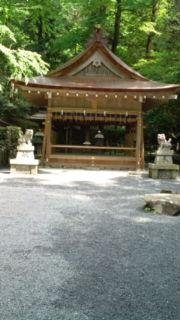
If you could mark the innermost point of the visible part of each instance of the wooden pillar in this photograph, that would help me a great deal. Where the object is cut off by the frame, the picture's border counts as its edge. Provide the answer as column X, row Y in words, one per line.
column 138, row 141
column 44, row 145
column 46, row 150
column 142, row 144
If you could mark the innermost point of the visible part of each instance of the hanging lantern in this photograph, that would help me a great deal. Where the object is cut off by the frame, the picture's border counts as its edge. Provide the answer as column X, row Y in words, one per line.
column 49, row 94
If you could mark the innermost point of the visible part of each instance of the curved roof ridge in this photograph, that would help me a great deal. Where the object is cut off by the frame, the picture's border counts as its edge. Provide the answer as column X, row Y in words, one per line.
column 125, row 65
column 69, row 63
column 83, row 56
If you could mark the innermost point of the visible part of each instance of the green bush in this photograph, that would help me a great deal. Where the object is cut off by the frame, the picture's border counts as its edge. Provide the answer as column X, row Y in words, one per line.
column 2, row 138
column 9, row 139
column 12, row 136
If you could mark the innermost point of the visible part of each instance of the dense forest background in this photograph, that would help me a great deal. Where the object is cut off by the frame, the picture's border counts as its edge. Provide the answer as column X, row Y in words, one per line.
column 37, row 35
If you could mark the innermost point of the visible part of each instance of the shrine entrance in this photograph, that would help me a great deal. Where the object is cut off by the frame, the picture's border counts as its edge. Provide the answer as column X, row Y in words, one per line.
column 106, row 140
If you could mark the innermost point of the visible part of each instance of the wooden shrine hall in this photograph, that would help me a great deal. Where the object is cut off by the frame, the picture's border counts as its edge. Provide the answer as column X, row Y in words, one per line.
column 91, row 109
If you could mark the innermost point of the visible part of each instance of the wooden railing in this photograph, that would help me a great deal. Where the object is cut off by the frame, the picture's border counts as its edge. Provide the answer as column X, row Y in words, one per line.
column 111, row 150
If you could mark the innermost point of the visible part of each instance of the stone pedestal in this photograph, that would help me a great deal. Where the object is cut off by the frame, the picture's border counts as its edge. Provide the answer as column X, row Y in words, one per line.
column 163, row 171
column 29, row 167
column 24, row 161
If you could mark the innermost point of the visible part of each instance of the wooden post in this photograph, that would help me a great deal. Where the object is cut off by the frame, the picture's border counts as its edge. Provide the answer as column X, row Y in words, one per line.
column 138, row 141
column 48, row 141
column 46, row 150
column 142, row 144
column 44, row 145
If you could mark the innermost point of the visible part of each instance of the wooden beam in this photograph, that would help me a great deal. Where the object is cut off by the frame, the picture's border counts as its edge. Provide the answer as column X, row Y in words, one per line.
column 91, row 111
column 79, row 161
column 67, row 146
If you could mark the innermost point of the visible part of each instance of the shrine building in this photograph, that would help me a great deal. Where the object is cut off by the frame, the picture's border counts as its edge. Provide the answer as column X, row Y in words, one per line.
column 91, row 109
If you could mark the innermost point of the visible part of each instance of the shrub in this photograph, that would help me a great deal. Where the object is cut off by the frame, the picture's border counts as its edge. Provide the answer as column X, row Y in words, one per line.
column 12, row 136
column 8, row 143
column 2, row 138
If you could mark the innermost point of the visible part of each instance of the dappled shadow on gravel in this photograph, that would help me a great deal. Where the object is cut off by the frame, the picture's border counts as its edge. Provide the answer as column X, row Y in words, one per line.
column 77, row 245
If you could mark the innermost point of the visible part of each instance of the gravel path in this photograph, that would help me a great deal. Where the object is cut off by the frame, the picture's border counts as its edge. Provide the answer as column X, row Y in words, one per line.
column 77, row 245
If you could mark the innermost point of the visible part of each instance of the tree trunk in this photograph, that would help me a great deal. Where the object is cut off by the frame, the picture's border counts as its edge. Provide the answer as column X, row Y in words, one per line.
column 40, row 32
column 149, row 43
column 177, row 3
column 117, row 24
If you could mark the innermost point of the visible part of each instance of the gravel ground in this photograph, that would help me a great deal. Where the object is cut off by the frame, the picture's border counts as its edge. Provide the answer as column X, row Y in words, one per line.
column 77, row 245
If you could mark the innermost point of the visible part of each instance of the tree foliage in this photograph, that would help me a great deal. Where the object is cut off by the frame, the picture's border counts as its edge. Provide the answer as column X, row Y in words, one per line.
column 144, row 33
column 15, row 60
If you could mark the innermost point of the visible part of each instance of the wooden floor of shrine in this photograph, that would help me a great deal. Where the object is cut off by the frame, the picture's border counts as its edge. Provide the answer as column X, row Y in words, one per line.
column 80, row 161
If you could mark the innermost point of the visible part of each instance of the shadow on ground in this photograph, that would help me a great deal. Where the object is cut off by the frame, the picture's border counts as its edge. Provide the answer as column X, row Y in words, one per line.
column 77, row 245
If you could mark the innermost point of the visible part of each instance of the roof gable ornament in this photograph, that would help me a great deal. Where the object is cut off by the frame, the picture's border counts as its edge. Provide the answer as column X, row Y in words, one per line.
column 97, row 36
column 97, row 62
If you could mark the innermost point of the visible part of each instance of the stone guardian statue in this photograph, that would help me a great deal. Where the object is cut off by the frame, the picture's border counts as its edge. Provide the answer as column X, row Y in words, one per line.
column 24, row 161
column 164, row 153
column 163, row 167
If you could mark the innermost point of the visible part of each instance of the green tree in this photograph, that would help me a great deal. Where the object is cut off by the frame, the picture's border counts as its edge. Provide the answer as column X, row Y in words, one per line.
column 15, row 61
column 144, row 33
